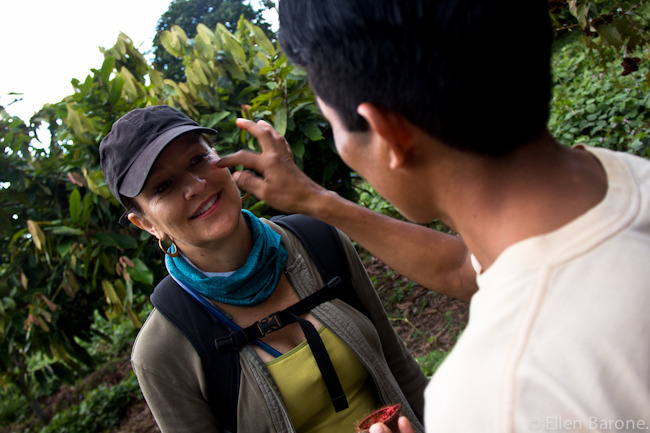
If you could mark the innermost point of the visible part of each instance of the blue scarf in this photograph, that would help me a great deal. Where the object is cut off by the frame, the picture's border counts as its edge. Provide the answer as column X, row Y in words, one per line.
column 249, row 285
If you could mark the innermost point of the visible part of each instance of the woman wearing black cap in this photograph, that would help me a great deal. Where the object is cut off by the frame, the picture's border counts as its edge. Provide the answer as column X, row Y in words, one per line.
column 160, row 165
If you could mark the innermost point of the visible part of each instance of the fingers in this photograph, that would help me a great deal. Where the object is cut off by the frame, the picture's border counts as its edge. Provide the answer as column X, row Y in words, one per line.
column 379, row 428
column 241, row 157
column 403, row 424
column 269, row 138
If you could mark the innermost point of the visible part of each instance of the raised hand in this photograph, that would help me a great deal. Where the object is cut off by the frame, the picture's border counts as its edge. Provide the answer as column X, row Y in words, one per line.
column 407, row 248
column 280, row 182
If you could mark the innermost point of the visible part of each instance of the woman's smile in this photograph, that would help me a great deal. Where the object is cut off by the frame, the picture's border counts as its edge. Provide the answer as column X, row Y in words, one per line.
column 208, row 207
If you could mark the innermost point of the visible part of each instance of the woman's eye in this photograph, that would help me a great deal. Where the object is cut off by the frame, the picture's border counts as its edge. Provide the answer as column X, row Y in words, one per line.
column 162, row 187
column 198, row 159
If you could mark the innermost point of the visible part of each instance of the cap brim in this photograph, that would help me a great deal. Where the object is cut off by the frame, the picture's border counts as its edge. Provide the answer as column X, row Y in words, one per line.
column 137, row 174
column 124, row 219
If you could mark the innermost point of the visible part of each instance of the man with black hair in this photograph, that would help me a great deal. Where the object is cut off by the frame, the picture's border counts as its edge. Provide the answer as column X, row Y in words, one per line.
column 442, row 106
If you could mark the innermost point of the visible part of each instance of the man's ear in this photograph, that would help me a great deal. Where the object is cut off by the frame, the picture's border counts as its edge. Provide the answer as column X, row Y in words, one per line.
column 394, row 130
column 143, row 223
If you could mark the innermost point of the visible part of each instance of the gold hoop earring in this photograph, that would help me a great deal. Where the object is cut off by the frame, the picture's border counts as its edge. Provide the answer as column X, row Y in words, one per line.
column 173, row 246
column 246, row 196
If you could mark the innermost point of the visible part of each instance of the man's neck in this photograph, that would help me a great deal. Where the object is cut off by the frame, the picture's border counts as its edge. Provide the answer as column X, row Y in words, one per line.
column 535, row 190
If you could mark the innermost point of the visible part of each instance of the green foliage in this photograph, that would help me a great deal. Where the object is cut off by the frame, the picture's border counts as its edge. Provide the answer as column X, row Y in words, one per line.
column 430, row 362
column 605, row 25
column 599, row 109
column 187, row 14
column 13, row 406
column 368, row 197
column 101, row 410
column 112, row 337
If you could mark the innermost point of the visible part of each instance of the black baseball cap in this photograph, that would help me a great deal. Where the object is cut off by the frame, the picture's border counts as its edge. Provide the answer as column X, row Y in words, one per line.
column 136, row 139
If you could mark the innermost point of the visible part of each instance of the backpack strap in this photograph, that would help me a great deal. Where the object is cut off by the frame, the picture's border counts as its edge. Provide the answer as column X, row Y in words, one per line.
column 222, row 371
column 324, row 246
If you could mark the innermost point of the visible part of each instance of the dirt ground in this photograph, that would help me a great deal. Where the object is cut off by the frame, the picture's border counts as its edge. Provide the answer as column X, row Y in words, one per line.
column 426, row 321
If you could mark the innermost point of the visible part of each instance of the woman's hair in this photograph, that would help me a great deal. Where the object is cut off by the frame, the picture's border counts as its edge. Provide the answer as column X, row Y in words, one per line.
column 472, row 73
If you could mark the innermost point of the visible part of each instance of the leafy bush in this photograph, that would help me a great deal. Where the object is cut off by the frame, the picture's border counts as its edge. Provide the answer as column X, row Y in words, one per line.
column 101, row 410
column 14, row 407
column 597, row 108
column 370, row 198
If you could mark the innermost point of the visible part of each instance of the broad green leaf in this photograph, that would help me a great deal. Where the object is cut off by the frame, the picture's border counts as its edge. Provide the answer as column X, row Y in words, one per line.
column 180, row 33
column 611, row 34
column 311, row 130
column 116, row 90
column 298, row 149
column 170, row 43
column 87, row 208
column 140, row 272
column 116, row 240
column 97, row 184
column 261, row 38
column 65, row 231
column 280, row 120
column 200, row 72
column 191, row 75
column 156, row 78
column 232, row 45
column 265, row 70
column 131, row 87
column 215, row 118
column 74, row 202
column 235, row 71
column 204, row 39
column 74, row 120
column 9, row 304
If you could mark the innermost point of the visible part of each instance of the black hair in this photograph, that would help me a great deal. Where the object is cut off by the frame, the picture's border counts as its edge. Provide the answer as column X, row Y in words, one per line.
column 472, row 73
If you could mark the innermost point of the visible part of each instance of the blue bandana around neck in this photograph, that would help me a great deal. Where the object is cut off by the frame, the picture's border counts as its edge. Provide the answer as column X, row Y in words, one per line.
column 249, row 285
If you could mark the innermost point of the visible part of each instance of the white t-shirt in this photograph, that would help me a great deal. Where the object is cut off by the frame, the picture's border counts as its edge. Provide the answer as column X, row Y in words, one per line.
column 559, row 332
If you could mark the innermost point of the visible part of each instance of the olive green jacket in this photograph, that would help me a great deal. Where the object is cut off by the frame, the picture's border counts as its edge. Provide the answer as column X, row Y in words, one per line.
column 172, row 381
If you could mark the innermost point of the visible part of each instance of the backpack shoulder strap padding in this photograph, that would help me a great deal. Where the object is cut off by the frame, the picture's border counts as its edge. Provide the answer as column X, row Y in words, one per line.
column 324, row 246
column 222, row 371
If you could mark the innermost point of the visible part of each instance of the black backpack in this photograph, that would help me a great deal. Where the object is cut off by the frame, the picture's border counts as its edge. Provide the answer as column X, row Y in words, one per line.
column 222, row 370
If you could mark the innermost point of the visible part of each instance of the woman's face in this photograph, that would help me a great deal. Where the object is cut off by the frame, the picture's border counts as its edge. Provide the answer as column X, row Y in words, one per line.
column 188, row 199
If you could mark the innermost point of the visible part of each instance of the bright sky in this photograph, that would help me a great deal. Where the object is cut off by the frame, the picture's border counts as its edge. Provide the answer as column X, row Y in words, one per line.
column 47, row 43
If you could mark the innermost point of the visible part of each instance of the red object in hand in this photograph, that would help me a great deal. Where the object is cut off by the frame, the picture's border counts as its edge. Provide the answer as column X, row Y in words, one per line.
column 387, row 415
